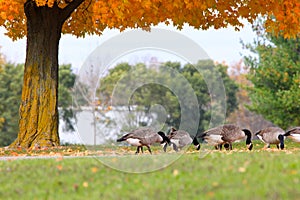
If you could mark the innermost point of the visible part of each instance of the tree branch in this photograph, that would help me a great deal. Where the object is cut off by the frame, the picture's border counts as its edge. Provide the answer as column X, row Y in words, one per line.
column 67, row 11
column 29, row 8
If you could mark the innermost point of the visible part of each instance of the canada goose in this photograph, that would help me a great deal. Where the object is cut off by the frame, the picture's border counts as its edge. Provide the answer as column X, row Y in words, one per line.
column 226, row 134
column 179, row 139
column 294, row 134
column 272, row 135
column 144, row 137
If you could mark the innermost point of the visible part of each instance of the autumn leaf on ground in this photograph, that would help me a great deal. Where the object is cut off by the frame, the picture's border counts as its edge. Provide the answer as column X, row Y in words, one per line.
column 59, row 167
column 242, row 169
column 94, row 169
column 85, row 184
column 175, row 172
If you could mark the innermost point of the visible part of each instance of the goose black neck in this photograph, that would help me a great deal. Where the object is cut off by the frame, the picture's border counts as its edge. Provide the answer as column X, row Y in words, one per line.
column 164, row 137
column 281, row 139
column 195, row 141
column 288, row 133
column 249, row 135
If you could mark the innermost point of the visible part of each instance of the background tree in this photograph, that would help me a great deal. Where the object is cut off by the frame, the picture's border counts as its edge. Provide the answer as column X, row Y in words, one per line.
column 242, row 116
column 88, row 105
column 43, row 21
column 144, row 98
column 66, row 84
column 11, row 77
column 207, row 107
column 275, row 75
column 125, row 78
column 2, row 62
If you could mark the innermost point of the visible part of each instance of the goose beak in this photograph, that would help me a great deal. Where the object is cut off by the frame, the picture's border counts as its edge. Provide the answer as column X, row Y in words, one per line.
column 250, row 146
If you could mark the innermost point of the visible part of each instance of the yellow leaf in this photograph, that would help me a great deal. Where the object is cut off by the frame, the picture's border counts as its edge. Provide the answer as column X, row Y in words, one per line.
column 175, row 172
column 3, row 15
column 242, row 169
column 85, row 184
column 215, row 184
column 293, row 172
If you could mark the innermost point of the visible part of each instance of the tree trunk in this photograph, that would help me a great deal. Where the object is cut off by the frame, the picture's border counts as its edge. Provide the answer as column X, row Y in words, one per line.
column 38, row 110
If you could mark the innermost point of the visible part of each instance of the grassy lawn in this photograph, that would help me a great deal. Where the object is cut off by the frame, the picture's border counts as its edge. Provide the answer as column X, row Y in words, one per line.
column 237, row 174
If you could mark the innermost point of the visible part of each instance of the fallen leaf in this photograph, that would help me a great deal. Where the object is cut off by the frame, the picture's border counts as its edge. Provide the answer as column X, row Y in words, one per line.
column 94, row 169
column 175, row 172
column 85, row 184
column 59, row 167
column 14, row 153
column 60, row 158
column 210, row 194
column 215, row 184
column 242, row 169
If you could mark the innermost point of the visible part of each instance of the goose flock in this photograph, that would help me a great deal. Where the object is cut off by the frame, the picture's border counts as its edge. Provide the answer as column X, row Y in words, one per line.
column 218, row 137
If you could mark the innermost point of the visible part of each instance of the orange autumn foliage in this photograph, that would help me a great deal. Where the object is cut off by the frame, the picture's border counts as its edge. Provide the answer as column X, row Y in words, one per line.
column 93, row 16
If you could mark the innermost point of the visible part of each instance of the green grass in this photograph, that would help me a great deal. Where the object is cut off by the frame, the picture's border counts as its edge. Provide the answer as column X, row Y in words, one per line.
column 237, row 174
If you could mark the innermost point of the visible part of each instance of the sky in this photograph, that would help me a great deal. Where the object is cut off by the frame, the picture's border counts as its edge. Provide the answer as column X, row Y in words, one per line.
column 222, row 45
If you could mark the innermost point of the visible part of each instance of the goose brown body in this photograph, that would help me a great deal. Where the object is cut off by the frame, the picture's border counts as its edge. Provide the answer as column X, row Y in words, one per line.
column 144, row 137
column 179, row 139
column 227, row 134
column 272, row 135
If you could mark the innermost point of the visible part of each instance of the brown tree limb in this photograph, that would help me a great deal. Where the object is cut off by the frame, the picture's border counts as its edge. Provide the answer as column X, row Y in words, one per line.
column 67, row 11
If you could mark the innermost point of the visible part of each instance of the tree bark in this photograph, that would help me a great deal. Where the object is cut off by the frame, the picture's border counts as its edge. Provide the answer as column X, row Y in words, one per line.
column 38, row 125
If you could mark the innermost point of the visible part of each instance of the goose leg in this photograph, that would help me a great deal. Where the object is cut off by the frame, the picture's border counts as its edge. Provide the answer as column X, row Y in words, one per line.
column 227, row 146
column 137, row 150
column 165, row 147
column 149, row 149
column 175, row 147
column 267, row 146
